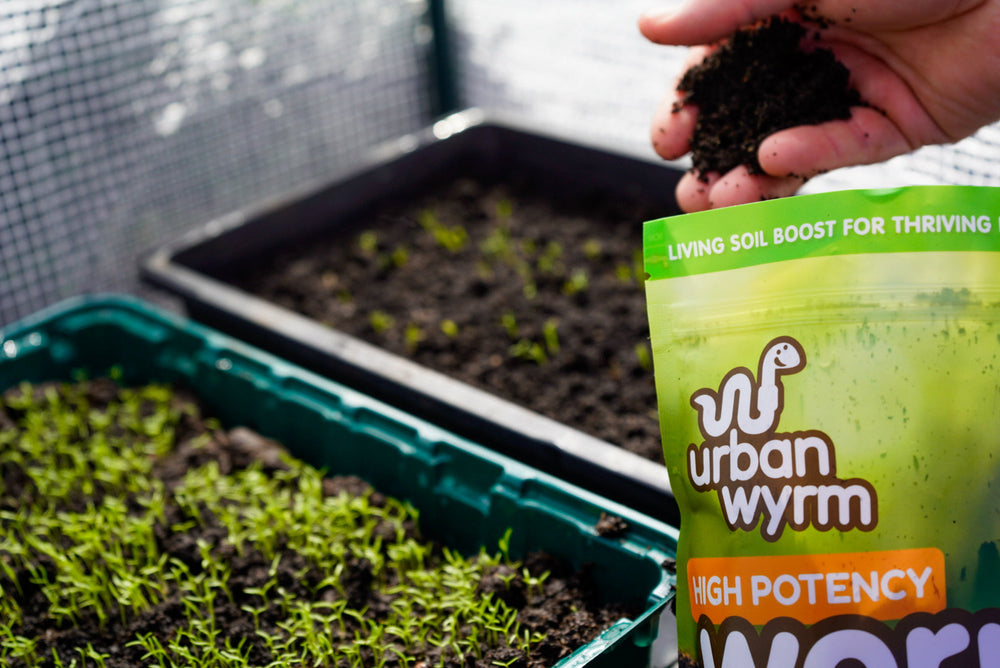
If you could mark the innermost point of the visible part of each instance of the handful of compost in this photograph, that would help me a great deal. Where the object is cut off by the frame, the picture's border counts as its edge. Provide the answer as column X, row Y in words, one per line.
column 827, row 372
column 758, row 82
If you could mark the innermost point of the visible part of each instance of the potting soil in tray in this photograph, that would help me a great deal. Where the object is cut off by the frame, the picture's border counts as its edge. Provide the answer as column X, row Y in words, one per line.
column 501, row 286
column 135, row 531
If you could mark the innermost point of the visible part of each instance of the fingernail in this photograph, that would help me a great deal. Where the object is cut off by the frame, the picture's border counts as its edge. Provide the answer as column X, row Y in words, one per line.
column 674, row 9
column 658, row 14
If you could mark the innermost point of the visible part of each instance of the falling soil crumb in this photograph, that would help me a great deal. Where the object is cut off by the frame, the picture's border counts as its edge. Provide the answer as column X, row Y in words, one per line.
column 761, row 81
column 611, row 526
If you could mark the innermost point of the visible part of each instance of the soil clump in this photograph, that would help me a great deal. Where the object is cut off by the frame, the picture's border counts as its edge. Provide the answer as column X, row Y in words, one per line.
column 762, row 80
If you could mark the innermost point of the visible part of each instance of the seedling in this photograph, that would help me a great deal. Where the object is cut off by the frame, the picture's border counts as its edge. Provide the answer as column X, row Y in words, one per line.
column 452, row 239
column 592, row 249
column 550, row 333
column 381, row 321
column 413, row 335
column 644, row 355
column 400, row 255
column 576, row 283
column 498, row 244
column 509, row 322
column 394, row 260
column 526, row 349
column 549, row 259
column 368, row 243
column 449, row 328
column 536, row 585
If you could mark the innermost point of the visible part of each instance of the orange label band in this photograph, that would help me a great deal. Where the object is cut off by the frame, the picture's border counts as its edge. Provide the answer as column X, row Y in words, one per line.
column 882, row 585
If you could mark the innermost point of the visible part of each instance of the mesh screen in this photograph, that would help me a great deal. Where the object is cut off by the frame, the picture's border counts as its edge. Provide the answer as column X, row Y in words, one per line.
column 576, row 67
column 124, row 122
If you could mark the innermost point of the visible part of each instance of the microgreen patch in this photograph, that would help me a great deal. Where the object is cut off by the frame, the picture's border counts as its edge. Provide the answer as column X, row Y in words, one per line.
column 299, row 570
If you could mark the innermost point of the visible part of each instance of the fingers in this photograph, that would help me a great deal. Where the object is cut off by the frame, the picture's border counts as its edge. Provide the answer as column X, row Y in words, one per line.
column 673, row 122
column 700, row 22
column 789, row 157
column 875, row 73
column 672, row 129
column 693, row 193
column 738, row 186
column 866, row 138
column 792, row 156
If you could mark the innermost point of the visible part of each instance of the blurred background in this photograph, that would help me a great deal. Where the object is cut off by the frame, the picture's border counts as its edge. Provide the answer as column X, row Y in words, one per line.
column 125, row 123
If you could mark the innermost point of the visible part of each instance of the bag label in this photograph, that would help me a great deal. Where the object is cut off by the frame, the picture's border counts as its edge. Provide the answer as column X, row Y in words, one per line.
column 883, row 585
column 864, row 221
column 768, row 478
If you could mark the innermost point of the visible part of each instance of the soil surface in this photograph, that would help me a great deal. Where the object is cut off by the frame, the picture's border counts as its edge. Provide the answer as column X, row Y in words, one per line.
column 567, row 614
column 759, row 81
column 535, row 300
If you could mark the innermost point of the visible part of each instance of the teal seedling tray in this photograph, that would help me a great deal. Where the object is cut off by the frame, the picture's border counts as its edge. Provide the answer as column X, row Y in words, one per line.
column 468, row 495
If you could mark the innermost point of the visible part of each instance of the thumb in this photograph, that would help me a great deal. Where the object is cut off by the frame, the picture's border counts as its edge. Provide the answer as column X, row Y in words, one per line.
column 704, row 22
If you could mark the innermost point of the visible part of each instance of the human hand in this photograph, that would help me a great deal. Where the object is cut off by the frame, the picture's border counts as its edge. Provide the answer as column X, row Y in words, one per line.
column 929, row 70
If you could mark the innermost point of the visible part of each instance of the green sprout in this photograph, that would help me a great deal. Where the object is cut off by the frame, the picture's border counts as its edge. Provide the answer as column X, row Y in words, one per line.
column 413, row 335
column 527, row 349
column 394, row 260
column 577, row 283
column 400, row 255
column 644, row 355
column 548, row 259
column 524, row 271
column 592, row 249
column 452, row 239
column 497, row 244
column 509, row 322
column 381, row 321
column 550, row 334
column 449, row 328
column 368, row 243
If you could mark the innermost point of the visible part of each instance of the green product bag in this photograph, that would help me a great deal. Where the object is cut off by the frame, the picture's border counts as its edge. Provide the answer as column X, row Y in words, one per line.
column 828, row 379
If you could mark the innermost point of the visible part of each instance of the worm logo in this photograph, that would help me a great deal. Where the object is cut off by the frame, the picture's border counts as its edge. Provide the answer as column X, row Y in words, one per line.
column 765, row 478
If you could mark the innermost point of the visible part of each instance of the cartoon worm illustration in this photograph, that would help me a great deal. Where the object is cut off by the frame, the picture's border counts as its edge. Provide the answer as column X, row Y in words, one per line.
column 753, row 406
